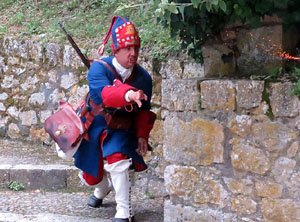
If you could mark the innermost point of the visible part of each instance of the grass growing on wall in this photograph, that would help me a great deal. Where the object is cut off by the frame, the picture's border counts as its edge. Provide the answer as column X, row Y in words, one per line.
column 87, row 22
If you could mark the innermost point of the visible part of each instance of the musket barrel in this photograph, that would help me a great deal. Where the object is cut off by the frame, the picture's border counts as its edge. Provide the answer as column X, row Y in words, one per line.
column 75, row 46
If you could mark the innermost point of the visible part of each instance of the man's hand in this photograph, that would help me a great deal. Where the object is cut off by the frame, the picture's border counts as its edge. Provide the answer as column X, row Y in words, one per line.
column 143, row 146
column 137, row 97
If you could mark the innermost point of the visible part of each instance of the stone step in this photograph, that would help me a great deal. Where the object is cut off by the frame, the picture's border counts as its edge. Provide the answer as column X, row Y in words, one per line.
column 43, row 177
column 53, row 191
column 15, row 152
column 11, row 217
column 23, row 206
column 36, row 167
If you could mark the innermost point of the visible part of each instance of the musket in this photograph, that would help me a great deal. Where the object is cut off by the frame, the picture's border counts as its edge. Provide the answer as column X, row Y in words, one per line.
column 75, row 46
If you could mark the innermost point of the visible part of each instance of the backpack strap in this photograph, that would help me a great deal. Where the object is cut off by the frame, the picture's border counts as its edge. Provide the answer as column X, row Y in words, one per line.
column 110, row 68
column 96, row 109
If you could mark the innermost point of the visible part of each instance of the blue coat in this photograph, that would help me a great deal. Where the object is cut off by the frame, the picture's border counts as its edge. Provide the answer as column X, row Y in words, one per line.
column 123, row 141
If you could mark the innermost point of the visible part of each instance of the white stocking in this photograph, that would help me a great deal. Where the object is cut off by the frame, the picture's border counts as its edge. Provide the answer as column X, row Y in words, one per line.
column 119, row 172
column 102, row 188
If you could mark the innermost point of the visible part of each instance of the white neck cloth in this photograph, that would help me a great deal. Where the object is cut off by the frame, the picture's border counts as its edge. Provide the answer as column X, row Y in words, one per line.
column 124, row 73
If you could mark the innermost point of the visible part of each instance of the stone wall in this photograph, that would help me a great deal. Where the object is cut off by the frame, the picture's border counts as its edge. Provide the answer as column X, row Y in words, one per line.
column 232, row 148
column 34, row 77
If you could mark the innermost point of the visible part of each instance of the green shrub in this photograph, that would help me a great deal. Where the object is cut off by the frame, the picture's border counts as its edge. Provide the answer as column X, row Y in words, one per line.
column 15, row 185
column 3, row 29
column 296, row 88
column 196, row 21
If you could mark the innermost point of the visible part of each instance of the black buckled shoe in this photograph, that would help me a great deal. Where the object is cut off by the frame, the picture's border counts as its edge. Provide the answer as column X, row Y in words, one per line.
column 123, row 220
column 94, row 202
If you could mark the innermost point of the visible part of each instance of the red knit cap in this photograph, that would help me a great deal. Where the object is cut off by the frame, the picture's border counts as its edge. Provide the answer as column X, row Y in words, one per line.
column 124, row 34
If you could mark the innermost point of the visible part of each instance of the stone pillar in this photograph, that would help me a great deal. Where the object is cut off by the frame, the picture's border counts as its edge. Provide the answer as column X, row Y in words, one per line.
column 228, row 161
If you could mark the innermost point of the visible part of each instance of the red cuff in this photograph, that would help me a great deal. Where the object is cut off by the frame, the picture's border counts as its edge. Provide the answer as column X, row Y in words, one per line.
column 114, row 95
column 144, row 122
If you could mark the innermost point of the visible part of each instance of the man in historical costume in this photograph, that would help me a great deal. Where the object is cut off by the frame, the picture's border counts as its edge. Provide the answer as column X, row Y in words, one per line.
column 118, row 142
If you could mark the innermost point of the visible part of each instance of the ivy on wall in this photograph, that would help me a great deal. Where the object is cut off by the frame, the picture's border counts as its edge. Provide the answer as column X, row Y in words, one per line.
column 195, row 21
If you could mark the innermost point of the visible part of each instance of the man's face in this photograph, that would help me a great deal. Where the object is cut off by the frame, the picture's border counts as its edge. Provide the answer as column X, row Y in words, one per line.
column 128, row 56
